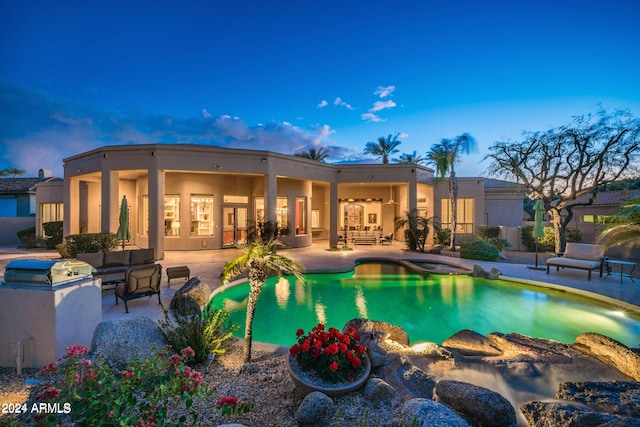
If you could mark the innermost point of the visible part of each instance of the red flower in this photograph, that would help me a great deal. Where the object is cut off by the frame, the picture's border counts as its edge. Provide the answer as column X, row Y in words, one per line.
column 343, row 348
column 333, row 366
column 305, row 346
column 331, row 349
column 318, row 344
column 188, row 352
column 299, row 332
column 294, row 349
column 358, row 348
column 355, row 362
column 227, row 401
column 345, row 339
column 126, row 374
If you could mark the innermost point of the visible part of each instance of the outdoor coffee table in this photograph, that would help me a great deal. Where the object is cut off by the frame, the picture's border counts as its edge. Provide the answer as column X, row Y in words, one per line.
column 613, row 262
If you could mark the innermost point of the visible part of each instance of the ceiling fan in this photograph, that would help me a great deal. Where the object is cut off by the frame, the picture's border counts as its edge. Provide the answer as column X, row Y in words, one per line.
column 391, row 201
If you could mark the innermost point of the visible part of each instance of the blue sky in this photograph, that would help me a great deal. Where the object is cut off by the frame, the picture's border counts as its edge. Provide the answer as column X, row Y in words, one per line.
column 286, row 76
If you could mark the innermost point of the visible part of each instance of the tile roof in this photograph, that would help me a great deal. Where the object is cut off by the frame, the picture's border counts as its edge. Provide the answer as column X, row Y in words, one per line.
column 21, row 185
column 610, row 197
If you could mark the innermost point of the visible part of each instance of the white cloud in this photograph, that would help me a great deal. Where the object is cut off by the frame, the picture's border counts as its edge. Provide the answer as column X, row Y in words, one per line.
column 382, row 105
column 206, row 114
column 370, row 117
column 403, row 135
column 339, row 102
column 323, row 103
column 384, row 91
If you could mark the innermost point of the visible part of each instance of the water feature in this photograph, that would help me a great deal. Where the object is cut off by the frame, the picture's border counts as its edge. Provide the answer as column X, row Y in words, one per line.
column 430, row 307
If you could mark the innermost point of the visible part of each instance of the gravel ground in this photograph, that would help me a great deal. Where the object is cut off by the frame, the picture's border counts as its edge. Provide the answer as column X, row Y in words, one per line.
column 265, row 381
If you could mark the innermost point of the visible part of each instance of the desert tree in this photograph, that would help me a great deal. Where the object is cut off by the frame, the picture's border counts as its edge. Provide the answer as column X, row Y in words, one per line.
column 624, row 229
column 318, row 155
column 444, row 156
column 383, row 148
column 259, row 260
column 561, row 164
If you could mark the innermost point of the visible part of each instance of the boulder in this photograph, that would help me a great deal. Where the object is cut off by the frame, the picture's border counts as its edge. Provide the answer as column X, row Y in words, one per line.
column 611, row 352
column 316, row 409
column 418, row 383
column 378, row 390
column 617, row 397
column 478, row 271
column 567, row 414
column 471, row 343
column 481, row 405
column 120, row 341
column 437, row 249
column 192, row 297
column 427, row 413
column 377, row 329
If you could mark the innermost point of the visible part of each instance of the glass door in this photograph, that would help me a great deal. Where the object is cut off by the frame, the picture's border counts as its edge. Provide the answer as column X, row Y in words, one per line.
column 234, row 228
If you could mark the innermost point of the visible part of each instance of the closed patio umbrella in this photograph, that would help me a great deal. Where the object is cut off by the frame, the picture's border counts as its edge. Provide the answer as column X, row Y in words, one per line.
column 538, row 229
column 123, row 228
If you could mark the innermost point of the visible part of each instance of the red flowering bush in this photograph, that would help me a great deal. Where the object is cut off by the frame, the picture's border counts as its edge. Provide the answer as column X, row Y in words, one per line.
column 92, row 393
column 334, row 356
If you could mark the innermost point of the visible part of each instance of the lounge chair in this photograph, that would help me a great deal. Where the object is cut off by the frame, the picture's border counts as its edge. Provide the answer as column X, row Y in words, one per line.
column 386, row 239
column 140, row 283
column 581, row 256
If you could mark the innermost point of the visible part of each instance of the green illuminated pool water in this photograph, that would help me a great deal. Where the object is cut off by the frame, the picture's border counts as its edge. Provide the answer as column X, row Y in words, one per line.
column 429, row 307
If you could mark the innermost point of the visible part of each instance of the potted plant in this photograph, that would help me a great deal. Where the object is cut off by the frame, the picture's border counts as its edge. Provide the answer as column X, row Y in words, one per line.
column 328, row 361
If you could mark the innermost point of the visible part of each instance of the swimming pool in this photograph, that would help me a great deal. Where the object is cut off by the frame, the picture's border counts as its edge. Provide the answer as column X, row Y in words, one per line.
column 430, row 307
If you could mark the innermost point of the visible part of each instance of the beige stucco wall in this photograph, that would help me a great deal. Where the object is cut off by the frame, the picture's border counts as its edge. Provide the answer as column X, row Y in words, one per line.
column 53, row 318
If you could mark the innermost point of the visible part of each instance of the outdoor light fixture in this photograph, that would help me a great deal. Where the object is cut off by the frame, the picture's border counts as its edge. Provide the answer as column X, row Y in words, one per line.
column 264, row 160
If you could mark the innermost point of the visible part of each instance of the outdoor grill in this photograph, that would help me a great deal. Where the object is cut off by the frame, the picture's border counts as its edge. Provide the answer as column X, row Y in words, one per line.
column 48, row 273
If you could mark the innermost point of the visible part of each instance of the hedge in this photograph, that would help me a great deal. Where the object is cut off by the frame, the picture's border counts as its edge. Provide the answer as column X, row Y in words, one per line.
column 54, row 233
column 480, row 250
column 90, row 242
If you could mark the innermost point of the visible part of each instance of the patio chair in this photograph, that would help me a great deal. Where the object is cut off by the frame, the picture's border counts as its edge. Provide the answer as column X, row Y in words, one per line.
column 386, row 239
column 140, row 283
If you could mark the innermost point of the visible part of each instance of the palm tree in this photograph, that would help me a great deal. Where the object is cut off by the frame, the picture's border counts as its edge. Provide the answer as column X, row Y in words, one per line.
column 15, row 171
column 413, row 158
column 417, row 229
column 383, row 148
column 261, row 261
column 625, row 226
column 318, row 155
column 444, row 156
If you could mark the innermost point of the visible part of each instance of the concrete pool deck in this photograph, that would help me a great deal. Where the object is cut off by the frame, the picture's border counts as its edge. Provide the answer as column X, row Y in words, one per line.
column 207, row 266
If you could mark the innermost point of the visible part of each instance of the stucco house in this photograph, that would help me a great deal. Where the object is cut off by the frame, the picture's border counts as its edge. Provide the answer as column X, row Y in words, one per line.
column 189, row 197
column 18, row 205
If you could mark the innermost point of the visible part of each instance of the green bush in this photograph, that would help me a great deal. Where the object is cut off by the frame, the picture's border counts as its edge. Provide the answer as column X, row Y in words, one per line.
column 92, row 242
column 498, row 242
column 54, row 233
column 28, row 237
column 63, row 251
column 548, row 242
column 206, row 333
column 442, row 237
column 480, row 250
column 487, row 232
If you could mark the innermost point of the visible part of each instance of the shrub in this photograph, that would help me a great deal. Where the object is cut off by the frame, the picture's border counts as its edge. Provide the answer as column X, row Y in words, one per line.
column 54, row 233
column 498, row 242
column 206, row 333
column 63, row 250
column 480, row 250
column 91, row 393
column 548, row 242
column 28, row 237
column 442, row 237
column 487, row 232
column 92, row 242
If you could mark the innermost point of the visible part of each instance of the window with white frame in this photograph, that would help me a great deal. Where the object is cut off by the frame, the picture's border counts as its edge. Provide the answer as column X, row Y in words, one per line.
column 50, row 212
column 465, row 217
column 202, row 214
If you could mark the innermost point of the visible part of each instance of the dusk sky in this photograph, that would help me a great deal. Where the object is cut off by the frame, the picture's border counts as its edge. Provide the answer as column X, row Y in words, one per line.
column 286, row 76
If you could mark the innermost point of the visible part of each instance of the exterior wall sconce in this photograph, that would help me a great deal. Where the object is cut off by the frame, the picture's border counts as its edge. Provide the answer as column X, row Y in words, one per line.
column 217, row 167
column 263, row 160
column 105, row 155
column 153, row 154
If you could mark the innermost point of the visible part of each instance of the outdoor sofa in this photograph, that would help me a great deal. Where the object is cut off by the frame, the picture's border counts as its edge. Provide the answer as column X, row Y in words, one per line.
column 581, row 256
column 111, row 267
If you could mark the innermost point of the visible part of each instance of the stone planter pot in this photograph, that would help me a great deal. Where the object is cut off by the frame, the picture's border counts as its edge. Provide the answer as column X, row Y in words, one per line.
column 306, row 386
